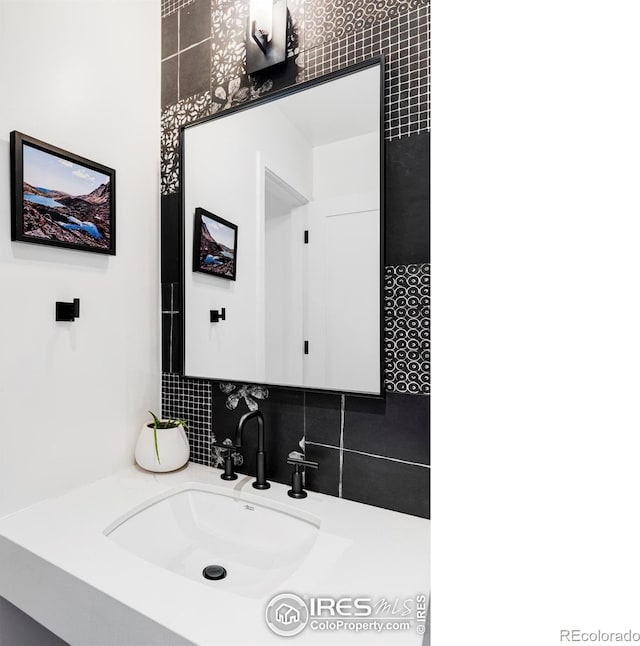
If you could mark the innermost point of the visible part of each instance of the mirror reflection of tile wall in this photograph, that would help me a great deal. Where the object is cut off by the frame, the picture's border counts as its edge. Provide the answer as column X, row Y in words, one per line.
column 372, row 451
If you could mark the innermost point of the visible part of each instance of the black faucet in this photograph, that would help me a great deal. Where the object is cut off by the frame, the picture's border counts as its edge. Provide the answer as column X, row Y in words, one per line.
column 261, row 481
column 229, row 451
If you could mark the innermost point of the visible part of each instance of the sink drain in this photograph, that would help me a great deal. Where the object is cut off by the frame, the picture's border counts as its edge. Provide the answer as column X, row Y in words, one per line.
column 214, row 572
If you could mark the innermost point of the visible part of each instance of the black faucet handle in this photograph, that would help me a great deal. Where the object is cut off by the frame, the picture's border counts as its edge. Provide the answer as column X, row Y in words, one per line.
column 299, row 463
column 231, row 450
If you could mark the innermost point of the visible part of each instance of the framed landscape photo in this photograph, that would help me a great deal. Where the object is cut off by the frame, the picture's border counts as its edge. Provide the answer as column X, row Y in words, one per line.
column 215, row 243
column 61, row 199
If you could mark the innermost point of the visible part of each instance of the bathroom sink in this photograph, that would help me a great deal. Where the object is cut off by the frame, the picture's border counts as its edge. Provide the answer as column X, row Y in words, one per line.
column 258, row 546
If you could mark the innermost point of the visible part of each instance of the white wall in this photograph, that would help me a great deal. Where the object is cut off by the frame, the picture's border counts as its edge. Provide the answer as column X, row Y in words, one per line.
column 84, row 76
column 225, row 166
column 284, row 224
column 342, row 295
column 347, row 167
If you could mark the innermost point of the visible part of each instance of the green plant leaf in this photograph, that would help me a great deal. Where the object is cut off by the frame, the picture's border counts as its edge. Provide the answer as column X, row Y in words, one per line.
column 156, row 424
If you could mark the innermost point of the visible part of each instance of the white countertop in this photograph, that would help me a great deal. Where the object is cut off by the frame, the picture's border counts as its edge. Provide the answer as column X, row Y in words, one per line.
column 57, row 565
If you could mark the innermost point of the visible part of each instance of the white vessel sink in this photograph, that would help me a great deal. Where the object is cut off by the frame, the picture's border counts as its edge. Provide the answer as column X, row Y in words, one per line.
column 187, row 530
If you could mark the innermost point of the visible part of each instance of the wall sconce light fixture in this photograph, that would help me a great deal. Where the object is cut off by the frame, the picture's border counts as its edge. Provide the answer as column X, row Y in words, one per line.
column 266, row 34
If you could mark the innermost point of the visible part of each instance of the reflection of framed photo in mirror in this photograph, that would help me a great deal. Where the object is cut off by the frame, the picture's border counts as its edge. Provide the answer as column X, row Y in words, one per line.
column 215, row 243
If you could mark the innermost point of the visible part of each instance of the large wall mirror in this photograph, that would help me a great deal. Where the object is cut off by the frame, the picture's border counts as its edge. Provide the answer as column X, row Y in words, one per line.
column 283, row 224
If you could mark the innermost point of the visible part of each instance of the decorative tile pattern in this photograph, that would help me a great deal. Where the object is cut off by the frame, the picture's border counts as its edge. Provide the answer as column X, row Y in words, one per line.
column 404, row 42
column 190, row 400
column 250, row 393
column 296, row 26
column 170, row 6
column 407, row 329
column 428, row 65
column 228, row 52
column 328, row 20
column 172, row 118
column 236, row 91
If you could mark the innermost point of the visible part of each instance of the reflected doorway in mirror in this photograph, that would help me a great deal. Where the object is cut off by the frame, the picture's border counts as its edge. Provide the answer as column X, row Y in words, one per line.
column 215, row 243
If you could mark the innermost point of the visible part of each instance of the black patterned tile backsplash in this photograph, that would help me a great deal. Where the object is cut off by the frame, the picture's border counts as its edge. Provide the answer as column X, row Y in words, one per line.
column 404, row 42
column 351, row 32
column 330, row 20
column 229, row 21
column 365, row 448
column 190, row 400
column 369, row 450
column 283, row 418
column 171, row 119
column 407, row 333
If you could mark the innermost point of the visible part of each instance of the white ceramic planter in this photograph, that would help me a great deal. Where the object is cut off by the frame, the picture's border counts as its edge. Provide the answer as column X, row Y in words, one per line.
column 173, row 448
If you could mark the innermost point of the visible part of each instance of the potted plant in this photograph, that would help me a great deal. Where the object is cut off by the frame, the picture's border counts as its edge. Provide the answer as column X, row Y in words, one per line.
column 162, row 445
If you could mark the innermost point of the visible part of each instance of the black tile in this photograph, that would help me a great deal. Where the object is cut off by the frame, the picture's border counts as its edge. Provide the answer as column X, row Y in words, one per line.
column 170, row 35
column 171, row 252
column 326, row 477
column 172, row 329
column 396, row 427
column 407, row 200
column 195, row 23
column 385, row 483
column 283, row 420
column 169, row 81
column 322, row 418
column 195, row 70
column 284, row 423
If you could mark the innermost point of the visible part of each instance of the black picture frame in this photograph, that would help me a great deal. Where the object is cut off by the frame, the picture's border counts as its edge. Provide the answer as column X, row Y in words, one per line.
column 61, row 214
column 203, row 241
